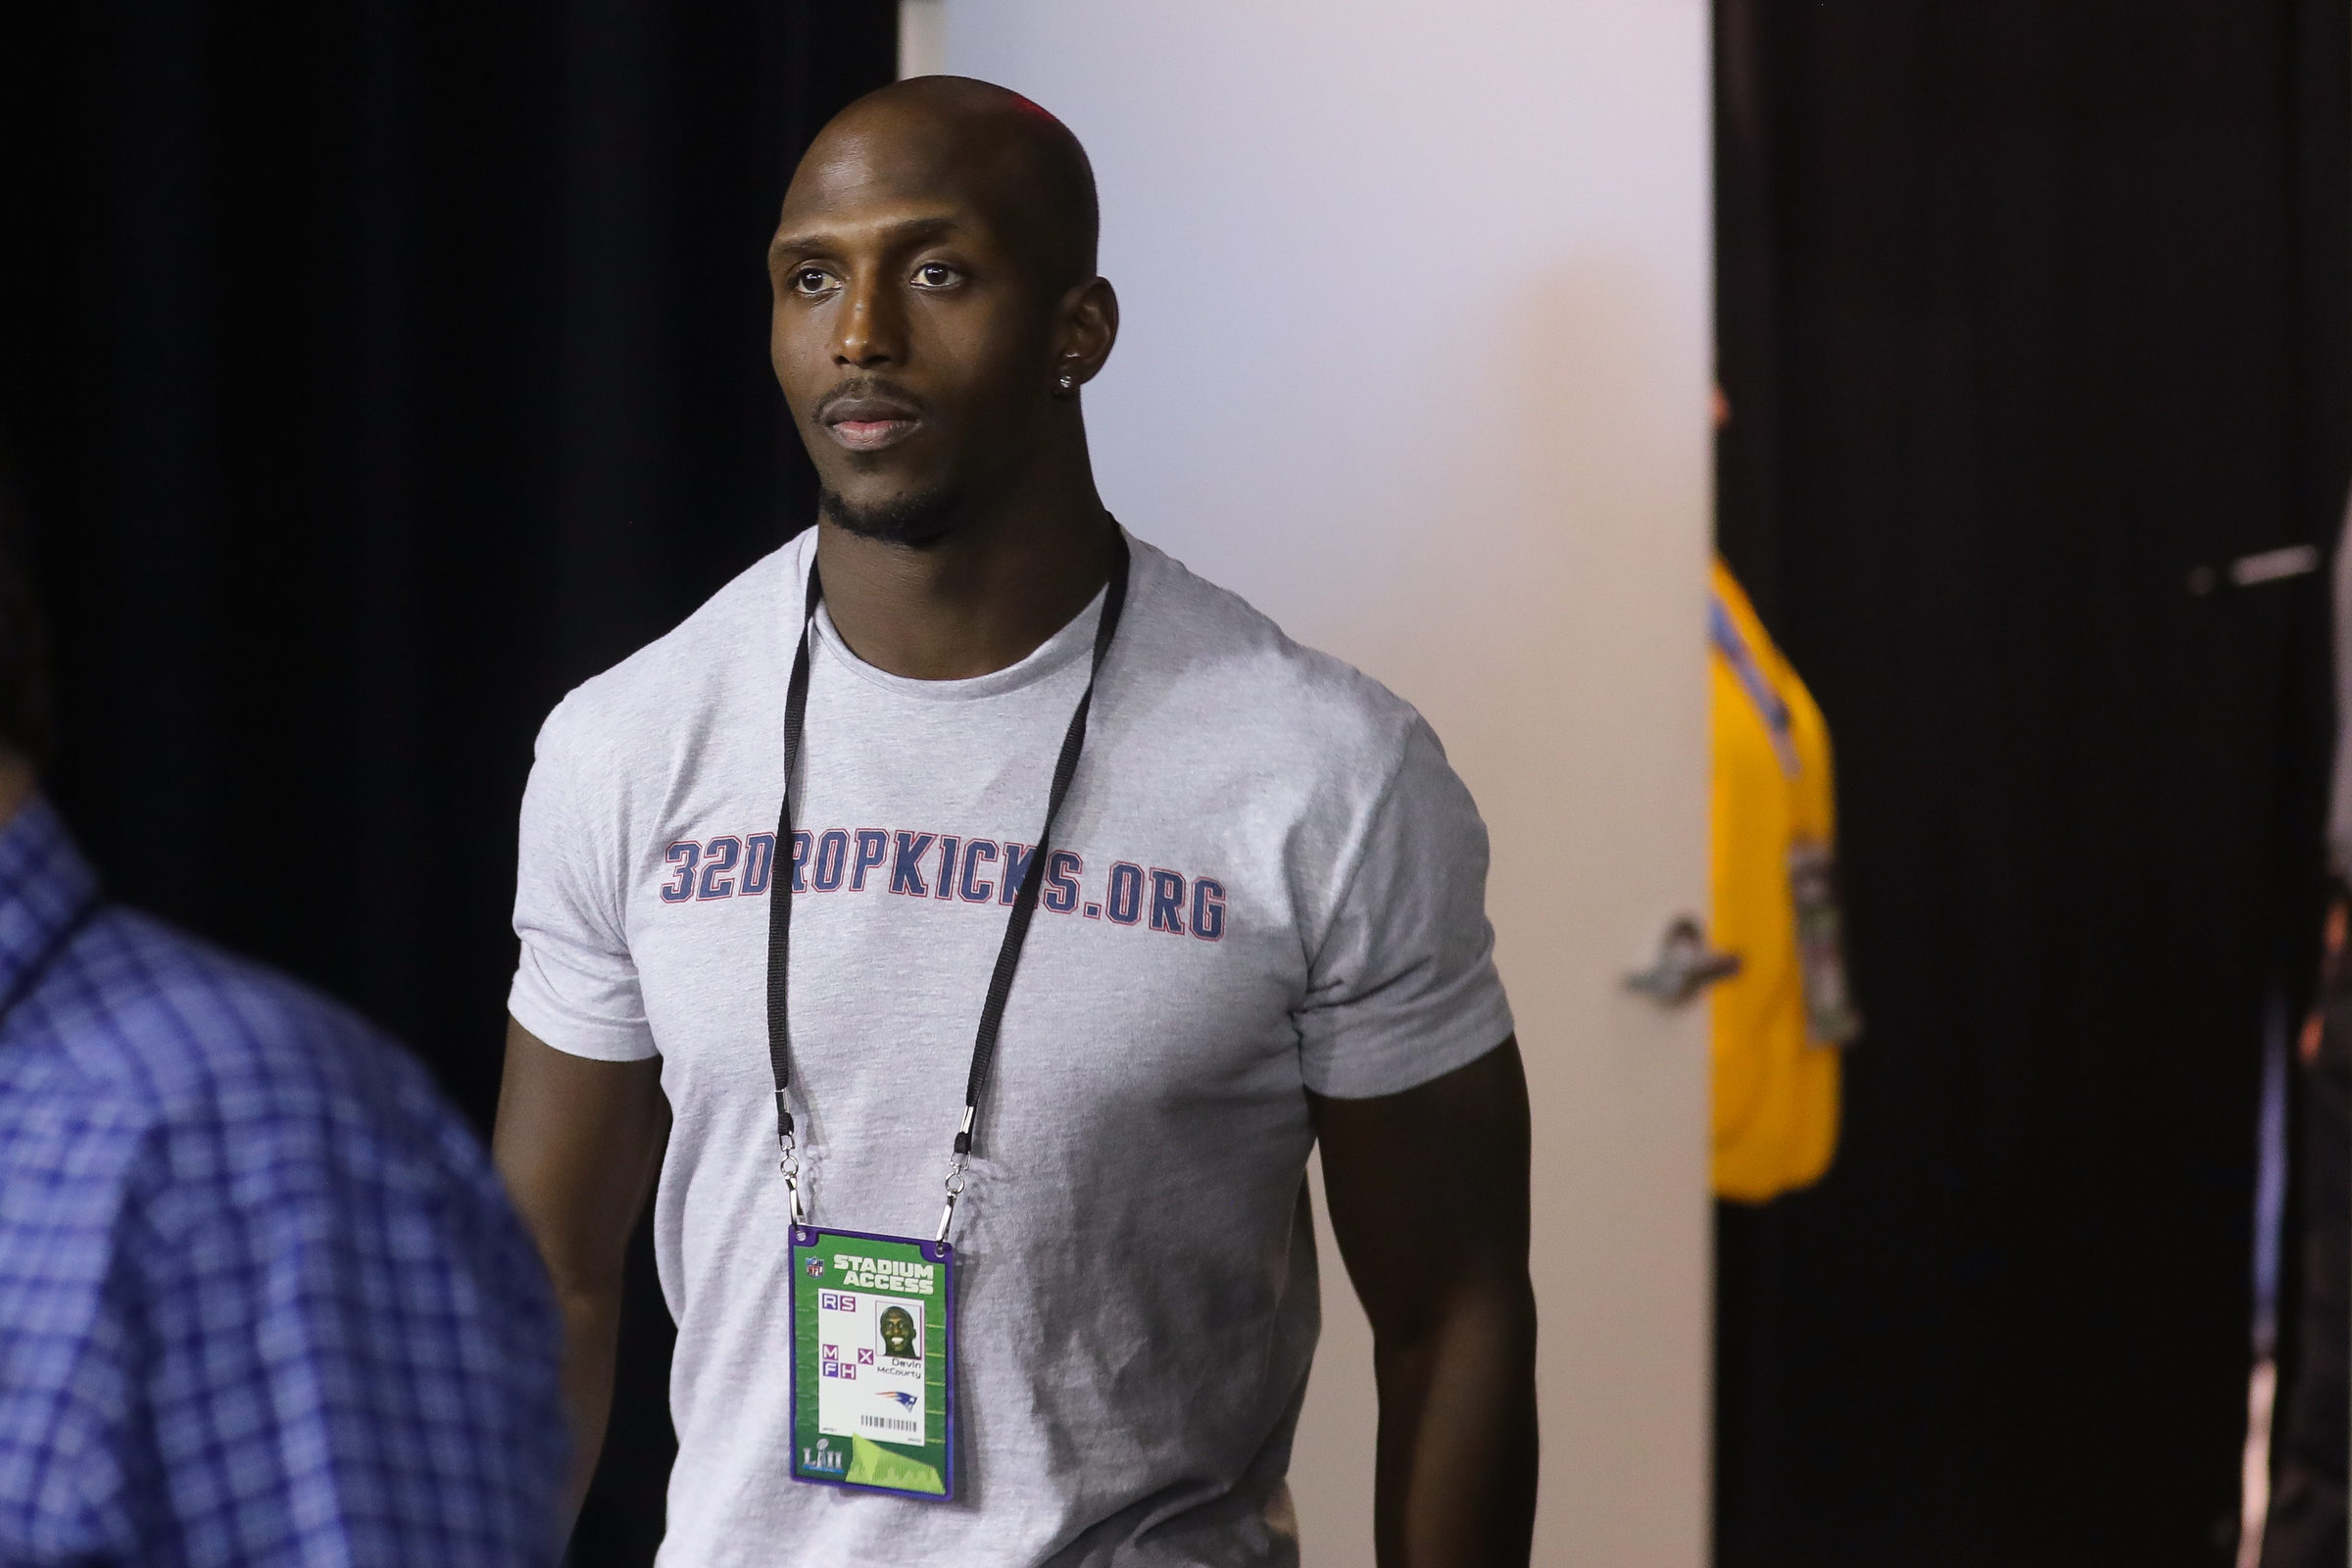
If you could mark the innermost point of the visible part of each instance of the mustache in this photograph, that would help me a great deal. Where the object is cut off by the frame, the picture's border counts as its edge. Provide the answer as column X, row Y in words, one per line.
column 867, row 386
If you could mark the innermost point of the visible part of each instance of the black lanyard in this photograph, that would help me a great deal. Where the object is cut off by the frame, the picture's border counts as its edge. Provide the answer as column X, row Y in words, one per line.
column 1016, row 926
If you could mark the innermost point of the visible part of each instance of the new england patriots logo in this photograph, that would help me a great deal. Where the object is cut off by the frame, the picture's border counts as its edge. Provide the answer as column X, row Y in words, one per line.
column 816, row 1268
column 906, row 1400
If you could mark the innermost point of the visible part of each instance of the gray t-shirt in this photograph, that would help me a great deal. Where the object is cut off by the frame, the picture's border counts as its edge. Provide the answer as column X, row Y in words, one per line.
column 1272, row 882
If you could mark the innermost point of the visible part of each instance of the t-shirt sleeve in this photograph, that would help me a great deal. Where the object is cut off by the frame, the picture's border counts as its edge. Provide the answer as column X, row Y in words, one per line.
column 1401, row 987
column 575, row 985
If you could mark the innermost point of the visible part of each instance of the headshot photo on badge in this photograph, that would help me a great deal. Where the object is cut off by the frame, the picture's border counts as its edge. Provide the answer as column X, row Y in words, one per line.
column 968, row 833
column 898, row 1334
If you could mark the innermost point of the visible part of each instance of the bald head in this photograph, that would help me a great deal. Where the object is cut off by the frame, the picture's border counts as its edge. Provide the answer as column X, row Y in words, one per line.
column 973, row 143
column 937, row 309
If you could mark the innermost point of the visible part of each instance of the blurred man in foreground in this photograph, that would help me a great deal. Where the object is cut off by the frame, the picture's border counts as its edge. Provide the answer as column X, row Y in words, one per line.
column 262, row 1301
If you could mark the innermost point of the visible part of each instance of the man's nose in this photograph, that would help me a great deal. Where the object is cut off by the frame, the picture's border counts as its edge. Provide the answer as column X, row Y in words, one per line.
column 873, row 327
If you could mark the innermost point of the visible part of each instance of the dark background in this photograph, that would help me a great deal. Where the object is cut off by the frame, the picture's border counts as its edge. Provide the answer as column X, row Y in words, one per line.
column 2026, row 311
column 372, row 375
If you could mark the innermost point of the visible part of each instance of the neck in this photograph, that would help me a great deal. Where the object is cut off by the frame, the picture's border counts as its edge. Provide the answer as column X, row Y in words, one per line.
column 975, row 601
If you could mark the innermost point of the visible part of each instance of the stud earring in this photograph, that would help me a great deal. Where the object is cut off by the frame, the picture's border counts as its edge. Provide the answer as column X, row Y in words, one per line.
column 1067, row 384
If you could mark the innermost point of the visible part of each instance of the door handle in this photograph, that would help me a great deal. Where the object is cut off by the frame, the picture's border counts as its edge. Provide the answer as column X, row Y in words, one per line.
column 1684, row 966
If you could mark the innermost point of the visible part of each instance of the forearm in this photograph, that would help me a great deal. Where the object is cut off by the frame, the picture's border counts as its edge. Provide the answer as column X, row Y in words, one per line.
column 577, row 1143
column 591, row 1339
column 1454, row 1333
column 1455, row 1481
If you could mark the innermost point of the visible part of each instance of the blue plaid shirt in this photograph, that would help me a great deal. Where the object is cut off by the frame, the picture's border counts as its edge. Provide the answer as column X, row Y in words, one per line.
column 262, row 1299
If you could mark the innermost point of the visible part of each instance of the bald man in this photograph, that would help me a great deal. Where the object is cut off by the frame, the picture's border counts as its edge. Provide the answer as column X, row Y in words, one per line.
column 969, row 853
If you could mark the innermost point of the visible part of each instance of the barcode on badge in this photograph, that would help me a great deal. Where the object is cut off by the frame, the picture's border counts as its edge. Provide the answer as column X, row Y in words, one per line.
column 883, row 1423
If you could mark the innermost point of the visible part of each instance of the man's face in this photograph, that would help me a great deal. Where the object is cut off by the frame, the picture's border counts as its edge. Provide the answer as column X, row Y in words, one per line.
column 897, row 1333
column 914, row 339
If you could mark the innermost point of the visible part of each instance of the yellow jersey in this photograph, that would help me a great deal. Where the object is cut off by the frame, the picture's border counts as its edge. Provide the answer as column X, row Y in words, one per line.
column 1773, row 828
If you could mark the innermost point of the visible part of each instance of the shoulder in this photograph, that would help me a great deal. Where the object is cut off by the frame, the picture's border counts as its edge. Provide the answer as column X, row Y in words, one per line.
column 227, row 1186
column 669, row 687
column 228, row 1069
column 1239, row 682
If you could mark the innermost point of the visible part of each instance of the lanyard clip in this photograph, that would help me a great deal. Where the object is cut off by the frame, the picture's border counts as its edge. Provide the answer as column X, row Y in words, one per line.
column 956, row 1163
column 792, row 1184
column 788, row 1160
column 954, row 1185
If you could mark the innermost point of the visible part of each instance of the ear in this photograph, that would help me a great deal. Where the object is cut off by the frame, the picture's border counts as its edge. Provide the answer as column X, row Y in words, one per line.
column 1088, row 325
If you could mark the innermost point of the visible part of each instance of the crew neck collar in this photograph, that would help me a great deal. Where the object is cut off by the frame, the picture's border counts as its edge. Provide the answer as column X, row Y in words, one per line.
column 1075, row 639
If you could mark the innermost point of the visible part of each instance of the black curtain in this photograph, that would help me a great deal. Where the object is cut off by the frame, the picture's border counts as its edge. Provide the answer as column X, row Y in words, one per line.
column 2033, row 320
column 369, row 376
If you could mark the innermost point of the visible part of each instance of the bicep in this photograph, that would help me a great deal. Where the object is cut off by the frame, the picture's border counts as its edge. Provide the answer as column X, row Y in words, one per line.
column 1428, row 1189
column 578, row 1143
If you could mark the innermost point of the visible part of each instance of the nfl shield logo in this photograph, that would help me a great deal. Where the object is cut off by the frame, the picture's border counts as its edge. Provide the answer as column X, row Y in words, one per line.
column 816, row 1268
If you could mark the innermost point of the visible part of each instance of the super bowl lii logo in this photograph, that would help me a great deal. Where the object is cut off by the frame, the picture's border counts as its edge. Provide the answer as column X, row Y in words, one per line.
column 824, row 1457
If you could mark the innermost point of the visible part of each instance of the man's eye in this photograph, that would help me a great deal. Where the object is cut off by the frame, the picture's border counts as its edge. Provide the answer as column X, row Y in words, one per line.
column 935, row 274
column 811, row 280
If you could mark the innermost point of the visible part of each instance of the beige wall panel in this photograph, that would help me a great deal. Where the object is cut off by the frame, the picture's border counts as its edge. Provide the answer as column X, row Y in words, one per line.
column 1416, row 358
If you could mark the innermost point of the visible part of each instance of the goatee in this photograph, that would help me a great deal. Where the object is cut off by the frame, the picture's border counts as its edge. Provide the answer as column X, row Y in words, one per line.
column 921, row 519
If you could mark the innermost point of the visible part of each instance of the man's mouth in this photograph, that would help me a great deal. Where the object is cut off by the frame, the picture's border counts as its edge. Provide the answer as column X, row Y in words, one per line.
column 870, row 424
column 868, row 435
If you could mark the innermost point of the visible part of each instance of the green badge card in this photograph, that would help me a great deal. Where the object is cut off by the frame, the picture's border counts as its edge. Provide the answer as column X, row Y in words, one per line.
column 873, row 1362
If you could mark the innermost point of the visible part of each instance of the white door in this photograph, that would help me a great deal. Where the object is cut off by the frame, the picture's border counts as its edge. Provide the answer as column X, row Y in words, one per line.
column 1416, row 358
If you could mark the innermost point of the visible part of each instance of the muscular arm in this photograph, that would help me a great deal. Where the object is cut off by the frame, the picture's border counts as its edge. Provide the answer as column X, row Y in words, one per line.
column 578, row 1143
column 1429, row 1198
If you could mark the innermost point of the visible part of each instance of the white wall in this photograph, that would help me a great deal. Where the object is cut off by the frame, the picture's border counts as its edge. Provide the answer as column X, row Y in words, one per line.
column 1416, row 358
